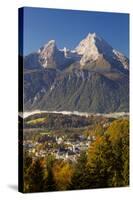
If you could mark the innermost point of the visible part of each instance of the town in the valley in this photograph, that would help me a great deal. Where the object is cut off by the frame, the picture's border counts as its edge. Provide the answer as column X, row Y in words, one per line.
column 63, row 136
column 60, row 147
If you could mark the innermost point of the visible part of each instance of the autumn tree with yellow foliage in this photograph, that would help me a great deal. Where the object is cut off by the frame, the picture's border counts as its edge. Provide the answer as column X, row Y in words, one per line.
column 108, row 157
column 62, row 174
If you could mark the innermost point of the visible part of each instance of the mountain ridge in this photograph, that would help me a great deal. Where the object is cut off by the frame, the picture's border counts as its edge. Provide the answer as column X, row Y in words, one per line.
column 89, row 50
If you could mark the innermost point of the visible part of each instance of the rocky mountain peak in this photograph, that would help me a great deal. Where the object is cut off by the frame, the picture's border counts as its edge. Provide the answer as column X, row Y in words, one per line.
column 97, row 54
column 52, row 57
column 50, row 47
column 47, row 54
column 90, row 37
column 92, row 44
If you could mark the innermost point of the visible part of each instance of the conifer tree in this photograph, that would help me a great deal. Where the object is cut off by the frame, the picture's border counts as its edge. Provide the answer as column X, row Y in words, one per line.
column 36, row 177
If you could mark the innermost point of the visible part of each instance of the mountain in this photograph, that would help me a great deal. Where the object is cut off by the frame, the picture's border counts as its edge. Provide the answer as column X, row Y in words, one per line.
column 49, row 56
column 99, row 55
column 93, row 77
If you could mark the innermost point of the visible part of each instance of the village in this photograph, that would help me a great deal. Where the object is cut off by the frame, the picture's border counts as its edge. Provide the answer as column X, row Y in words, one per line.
column 61, row 147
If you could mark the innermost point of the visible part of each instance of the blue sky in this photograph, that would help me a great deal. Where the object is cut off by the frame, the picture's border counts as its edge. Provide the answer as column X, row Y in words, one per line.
column 68, row 27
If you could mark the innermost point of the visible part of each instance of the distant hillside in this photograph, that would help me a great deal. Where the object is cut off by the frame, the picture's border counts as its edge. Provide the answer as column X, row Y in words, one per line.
column 58, row 121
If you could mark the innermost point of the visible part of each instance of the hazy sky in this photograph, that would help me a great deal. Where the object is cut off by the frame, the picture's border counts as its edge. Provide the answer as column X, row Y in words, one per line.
column 68, row 27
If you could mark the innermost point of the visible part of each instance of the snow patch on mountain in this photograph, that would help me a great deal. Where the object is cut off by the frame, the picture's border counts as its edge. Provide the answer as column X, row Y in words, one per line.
column 123, row 59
